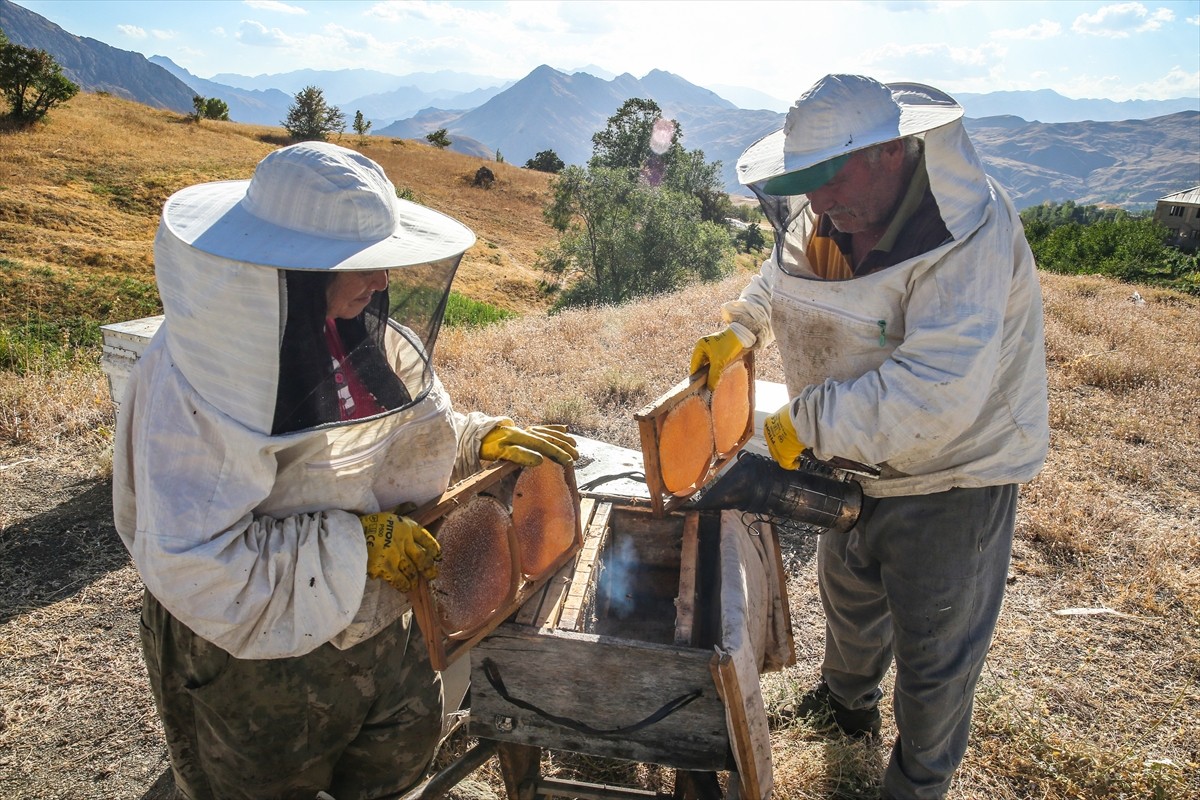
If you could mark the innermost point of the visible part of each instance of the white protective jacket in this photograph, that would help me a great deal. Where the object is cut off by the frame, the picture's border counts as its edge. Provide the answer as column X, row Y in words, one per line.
column 252, row 540
column 933, row 368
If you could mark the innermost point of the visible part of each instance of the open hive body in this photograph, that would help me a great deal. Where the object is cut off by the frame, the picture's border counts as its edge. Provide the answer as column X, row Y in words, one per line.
column 648, row 644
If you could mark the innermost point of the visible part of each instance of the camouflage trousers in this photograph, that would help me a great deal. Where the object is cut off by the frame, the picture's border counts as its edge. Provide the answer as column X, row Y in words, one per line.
column 356, row 723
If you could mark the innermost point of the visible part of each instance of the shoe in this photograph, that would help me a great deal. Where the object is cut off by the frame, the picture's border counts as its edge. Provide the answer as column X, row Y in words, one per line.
column 819, row 708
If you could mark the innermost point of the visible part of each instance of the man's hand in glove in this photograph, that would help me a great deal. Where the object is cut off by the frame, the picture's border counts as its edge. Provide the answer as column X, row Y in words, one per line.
column 782, row 441
column 527, row 446
column 398, row 550
column 716, row 350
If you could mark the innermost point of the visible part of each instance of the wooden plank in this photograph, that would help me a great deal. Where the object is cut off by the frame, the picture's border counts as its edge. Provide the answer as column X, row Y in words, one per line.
column 582, row 585
column 605, row 683
column 521, row 768
column 785, row 604
column 726, row 679
column 685, row 602
column 462, row 491
column 426, row 615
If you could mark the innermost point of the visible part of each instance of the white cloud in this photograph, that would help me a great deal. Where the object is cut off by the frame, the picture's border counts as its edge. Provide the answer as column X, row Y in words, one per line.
column 132, row 31
column 255, row 33
column 1178, row 82
column 1042, row 29
column 164, row 36
column 353, row 40
column 1194, row 20
column 1122, row 20
column 904, row 61
column 274, row 5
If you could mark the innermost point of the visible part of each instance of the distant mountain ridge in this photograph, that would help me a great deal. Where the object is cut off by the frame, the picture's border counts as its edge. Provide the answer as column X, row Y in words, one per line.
column 1130, row 163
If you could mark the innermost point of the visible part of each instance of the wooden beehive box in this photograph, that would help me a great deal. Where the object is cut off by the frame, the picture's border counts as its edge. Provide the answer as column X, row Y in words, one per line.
column 690, row 433
column 450, row 632
column 626, row 652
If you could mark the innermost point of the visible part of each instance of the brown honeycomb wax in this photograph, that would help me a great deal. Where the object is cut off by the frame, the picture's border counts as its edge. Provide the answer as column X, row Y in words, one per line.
column 685, row 445
column 475, row 575
column 544, row 511
column 731, row 407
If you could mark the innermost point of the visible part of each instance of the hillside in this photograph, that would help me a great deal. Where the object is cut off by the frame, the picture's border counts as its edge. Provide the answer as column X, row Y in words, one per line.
column 1145, row 154
column 1090, row 691
column 82, row 195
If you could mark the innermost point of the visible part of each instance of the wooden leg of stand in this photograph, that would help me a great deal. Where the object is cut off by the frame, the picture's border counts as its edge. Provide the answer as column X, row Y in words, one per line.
column 696, row 785
column 520, row 764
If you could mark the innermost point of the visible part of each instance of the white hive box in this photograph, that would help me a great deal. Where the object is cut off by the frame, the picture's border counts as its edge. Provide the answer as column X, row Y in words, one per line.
column 124, row 343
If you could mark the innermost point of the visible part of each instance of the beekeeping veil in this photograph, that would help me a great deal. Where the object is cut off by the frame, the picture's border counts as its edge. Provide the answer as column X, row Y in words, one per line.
column 243, row 266
column 842, row 114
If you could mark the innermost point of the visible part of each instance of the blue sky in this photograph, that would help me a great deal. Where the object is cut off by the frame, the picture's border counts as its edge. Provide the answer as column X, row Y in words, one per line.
column 1115, row 50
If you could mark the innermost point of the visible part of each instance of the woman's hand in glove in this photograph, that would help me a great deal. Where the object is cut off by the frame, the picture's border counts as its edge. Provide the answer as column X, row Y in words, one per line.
column 398, row 550
column 528, row 446
column 782, row 441
column 716, row 350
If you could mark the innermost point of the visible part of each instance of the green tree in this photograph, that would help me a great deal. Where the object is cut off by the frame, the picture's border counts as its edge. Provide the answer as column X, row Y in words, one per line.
column 629, row 142
column 621, row 238
column 546, row 161
column 1113, row 243
column 31, row 81
column 216, row 108
column 362, row 126
column 641, row 218
column 750, row 240
column 310, row 118
column 209, row 108
column 439, row 139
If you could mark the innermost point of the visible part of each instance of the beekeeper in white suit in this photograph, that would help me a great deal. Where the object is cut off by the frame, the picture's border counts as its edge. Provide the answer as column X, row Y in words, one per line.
column 284, row 409
column 906, row 306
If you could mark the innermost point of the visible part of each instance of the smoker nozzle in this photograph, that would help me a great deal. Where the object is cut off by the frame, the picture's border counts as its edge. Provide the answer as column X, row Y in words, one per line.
column 758, row 485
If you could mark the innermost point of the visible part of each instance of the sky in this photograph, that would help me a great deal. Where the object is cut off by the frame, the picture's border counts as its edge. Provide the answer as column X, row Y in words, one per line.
column 1128, row 50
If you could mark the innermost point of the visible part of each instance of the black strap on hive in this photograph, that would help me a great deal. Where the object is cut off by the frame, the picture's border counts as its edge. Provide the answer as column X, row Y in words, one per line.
column 594, row 482
column 492, row 672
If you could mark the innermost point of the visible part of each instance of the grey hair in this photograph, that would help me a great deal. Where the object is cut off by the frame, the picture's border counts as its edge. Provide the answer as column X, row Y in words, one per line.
column 912, row 150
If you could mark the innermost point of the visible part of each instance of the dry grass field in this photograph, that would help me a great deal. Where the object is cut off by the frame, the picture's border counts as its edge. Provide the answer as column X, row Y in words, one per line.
column 1090, row 691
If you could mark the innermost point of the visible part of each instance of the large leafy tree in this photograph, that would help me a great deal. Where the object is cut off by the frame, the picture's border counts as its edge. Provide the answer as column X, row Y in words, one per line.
column 31, row 81
column 640, row 218
column 546, row 161
column 621, row 238
column 629, row 140
column 209, row 108
column 310, row 118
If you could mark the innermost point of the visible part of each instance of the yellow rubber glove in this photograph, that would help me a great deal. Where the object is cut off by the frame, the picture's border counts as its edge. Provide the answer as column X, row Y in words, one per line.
column 527, row 446
column 398, row 550
column 782, row 441
column 716, row 350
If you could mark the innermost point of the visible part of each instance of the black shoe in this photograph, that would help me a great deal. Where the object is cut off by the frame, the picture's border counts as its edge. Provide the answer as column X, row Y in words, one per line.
column 819, row 708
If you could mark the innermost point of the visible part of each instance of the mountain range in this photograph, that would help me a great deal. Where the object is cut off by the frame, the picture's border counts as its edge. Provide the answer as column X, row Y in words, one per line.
column 1091, row 151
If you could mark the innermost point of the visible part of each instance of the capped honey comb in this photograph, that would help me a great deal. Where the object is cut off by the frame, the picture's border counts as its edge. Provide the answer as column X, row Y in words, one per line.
column 544, row 511
column 731, row 407
column 475, row 575
column 685, row 445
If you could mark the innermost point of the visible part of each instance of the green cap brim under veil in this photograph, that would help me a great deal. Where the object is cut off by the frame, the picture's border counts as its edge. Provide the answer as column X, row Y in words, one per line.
column 803, row 181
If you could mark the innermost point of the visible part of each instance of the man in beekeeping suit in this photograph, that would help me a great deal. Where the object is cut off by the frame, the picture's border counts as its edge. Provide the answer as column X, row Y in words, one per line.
column 284, row 410
column 906, row 306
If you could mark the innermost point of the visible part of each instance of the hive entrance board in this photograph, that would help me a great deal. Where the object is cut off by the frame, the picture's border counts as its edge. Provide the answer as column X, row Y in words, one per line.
column 503, row 533
column 690, row 433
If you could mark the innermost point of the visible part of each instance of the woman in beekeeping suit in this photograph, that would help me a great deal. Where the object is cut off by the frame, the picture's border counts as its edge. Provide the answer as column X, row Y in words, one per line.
column 284, row 408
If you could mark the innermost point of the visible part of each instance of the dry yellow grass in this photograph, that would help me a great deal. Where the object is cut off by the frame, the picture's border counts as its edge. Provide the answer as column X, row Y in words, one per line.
column 1098, row 706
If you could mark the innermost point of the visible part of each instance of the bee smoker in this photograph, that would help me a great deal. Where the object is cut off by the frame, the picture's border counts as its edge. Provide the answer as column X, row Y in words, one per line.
column 811, row 495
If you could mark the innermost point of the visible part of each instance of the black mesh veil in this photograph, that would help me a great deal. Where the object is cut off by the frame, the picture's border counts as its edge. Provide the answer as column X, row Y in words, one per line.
column 783, row 211
column 380, row 361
